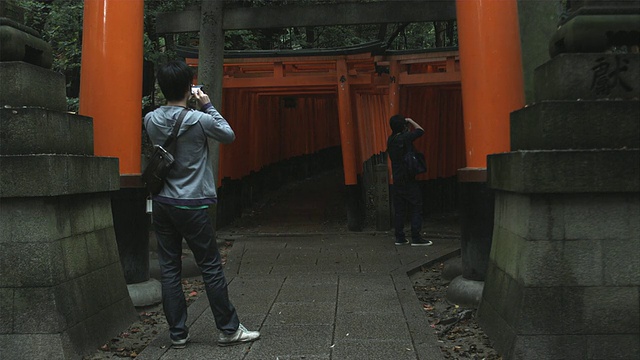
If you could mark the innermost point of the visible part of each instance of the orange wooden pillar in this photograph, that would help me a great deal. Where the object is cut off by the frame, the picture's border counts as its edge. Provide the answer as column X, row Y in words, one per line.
column 111, row 93
column 355, row 215
column 345, row 117
column 491, row 73
column 492, row 87
column 111, row 78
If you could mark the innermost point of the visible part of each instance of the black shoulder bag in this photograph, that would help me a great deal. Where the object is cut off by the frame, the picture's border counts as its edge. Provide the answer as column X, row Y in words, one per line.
column 162, row 160
column 414, row 161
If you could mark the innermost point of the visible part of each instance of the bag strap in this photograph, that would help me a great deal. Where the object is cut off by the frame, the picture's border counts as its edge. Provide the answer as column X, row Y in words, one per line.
column 176, row 128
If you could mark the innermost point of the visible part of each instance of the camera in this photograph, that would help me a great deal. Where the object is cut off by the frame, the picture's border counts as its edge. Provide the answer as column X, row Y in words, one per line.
column 194, row 88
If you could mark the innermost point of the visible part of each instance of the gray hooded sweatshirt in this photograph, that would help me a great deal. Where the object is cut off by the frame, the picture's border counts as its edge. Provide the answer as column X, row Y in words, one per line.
column 190, row 182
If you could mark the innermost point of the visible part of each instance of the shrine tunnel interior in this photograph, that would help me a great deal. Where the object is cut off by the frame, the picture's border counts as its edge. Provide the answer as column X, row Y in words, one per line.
column 284, row 136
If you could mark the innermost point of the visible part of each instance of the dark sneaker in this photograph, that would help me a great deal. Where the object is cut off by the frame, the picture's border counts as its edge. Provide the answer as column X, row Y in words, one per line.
column 402, row 242
column 242, row 335
column 421, row 242
column 180, row 344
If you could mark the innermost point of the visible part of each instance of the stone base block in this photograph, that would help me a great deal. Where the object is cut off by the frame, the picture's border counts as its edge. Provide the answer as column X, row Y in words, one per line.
column 564, row 272
column 71, row 343
column 53, row 175
column 597, row 33
column 588, row 77
column 567, row 171
column 19, row 45
column 552, row 125
column 24, row 84
column 62, row 286
column 31, row 130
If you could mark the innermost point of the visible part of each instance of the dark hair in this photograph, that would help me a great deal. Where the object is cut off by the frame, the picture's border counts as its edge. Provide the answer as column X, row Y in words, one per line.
column 175, row 79
column 397, row 123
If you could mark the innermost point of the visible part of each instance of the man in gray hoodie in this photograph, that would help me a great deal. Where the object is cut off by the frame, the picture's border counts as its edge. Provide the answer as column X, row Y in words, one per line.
column 180, row 209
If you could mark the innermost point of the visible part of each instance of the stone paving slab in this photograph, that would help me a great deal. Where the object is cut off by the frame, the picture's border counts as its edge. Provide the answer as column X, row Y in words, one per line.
column 338, row 296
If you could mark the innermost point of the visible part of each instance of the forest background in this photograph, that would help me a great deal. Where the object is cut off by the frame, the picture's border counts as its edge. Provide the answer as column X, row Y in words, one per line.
column 60, row 23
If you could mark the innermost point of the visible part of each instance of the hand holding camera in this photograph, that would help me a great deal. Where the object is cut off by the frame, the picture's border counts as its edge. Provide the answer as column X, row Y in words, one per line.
column 201, row 97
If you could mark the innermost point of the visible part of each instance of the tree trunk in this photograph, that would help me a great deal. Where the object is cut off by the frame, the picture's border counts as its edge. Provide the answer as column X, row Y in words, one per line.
column 210, row 70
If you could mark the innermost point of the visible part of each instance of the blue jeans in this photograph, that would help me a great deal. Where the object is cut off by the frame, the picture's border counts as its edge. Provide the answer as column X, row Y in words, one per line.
column 171, row 226
column 407, row 197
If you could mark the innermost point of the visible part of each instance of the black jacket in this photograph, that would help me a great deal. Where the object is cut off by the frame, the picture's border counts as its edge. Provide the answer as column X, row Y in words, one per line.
column 397, row 145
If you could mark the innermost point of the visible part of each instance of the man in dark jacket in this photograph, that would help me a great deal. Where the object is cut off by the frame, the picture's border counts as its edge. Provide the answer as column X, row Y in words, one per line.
column 180, row 209
column 406, row 190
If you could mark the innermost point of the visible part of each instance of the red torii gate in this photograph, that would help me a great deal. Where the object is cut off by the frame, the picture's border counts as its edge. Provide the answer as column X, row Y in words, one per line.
column 111, row 78
column 363, row 124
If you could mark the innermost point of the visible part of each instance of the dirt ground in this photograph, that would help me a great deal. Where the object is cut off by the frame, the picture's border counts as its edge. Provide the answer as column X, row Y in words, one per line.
column 458, row 332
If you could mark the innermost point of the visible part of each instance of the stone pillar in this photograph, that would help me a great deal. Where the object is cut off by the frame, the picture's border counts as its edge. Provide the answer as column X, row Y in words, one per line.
column 62, row 289
column 563, row 280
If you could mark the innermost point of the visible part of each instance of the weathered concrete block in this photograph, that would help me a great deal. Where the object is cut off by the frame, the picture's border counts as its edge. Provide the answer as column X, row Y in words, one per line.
column 532, row 217
column 19, row 45
column 512, row 213
column 31, row 130
column 81, row 214
column 545, row 347
column 567, row 171
column 31, row 264
column 51, row 175
column 507, row 250
column 71, row 305
column 35, row 311
column 546, row 220
column 118, row 293
column 503, row 294
column 601, row 310
column 588, row 77
column 24, row 84
column 598, row 216
column 101, row 248
column 6, row 310
column 74, row 253
column 94, row 291
column 634, row 213
column 540, row 311
column 102, row 216
column 621, row 262
column 33, row 346
column 555, row 263
column 551, row 125
column 493, row 322
column 613, row 347
column 33, row 220
column 597, row 29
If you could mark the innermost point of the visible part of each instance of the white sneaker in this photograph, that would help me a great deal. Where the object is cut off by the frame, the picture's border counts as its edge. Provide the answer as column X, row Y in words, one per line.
column 241, row 335
column 180, row 344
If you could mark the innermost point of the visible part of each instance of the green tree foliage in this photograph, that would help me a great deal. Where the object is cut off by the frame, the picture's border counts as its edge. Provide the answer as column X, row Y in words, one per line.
column 60, row 23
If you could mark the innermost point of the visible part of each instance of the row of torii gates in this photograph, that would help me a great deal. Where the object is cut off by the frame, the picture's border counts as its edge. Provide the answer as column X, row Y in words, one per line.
column 347, row 89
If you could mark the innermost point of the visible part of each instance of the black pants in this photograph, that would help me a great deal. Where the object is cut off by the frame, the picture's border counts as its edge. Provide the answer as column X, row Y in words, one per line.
column 407, row 197
column 171, row 226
